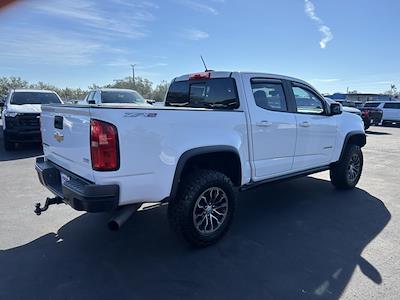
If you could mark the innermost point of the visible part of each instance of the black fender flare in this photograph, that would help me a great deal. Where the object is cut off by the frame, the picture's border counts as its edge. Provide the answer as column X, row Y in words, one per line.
column 359, row 136
column 187, row 155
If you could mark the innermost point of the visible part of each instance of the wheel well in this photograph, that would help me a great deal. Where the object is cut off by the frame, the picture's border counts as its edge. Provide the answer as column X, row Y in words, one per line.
column 225, row 162
column 356, row 138
column 224, row 159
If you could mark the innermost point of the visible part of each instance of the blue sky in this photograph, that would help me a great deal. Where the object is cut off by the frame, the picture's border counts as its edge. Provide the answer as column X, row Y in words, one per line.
column 334, row 44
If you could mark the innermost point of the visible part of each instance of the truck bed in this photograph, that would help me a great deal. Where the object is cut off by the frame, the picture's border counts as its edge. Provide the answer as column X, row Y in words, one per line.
column 151, row 141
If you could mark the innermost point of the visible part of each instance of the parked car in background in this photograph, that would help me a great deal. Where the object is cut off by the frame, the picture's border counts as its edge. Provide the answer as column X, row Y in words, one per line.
column 112, row 96
column 373, row 113
column 348, row 109
column 21, row 115
column 390, row 110
column 356, row 108
column 218, row 132
column 2, row 102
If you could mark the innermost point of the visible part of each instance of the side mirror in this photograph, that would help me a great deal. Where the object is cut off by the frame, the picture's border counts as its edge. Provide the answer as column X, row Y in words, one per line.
column 150, row 101
column 336, row 109
column 92, row 102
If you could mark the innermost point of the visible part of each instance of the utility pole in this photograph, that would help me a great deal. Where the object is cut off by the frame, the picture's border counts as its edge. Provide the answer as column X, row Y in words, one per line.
column 133, row 75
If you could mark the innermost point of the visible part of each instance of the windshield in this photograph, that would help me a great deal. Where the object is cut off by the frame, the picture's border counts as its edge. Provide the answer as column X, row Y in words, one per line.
column 372, row 104
column 121, row 97
column 20, row 98
column 348, row 104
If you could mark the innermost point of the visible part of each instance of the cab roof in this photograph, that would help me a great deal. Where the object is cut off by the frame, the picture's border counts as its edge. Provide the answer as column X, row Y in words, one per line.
column 227, row 74
column 113, row 90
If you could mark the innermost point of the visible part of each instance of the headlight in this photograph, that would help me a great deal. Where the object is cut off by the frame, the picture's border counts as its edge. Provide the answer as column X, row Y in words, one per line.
column 11, row 114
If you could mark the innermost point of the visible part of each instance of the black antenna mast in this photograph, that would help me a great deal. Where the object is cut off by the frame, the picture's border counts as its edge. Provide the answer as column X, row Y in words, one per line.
column 203, row 63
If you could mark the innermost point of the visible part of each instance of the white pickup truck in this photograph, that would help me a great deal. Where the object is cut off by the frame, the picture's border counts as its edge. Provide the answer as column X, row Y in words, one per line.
column 218, row 133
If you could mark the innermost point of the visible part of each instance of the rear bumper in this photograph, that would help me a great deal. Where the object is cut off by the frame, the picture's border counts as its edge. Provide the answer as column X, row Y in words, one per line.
column 75, row 191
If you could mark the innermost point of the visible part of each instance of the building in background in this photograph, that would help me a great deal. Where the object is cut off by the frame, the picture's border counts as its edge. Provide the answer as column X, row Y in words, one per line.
column 369, row 97
column 361, row 97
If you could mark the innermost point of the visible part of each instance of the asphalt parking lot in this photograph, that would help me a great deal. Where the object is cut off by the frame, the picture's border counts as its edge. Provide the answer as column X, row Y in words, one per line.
column 297, row 239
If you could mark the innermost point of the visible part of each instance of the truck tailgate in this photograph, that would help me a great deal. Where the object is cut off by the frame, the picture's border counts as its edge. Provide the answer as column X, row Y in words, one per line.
column 66, row 138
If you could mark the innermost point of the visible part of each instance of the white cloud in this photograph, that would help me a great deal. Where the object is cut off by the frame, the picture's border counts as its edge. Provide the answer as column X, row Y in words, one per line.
column 151, row 66
column 327, row 36
column 328, row 80
column 199, row 6
column 49, row 47
column 194, row 34
column 120, row 62
column 101, row 20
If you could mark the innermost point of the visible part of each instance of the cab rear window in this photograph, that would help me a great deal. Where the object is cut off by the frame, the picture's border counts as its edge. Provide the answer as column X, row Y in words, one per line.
column 218, row 93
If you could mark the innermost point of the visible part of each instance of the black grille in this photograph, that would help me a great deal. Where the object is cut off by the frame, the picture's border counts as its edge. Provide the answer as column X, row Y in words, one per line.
column 29, row 120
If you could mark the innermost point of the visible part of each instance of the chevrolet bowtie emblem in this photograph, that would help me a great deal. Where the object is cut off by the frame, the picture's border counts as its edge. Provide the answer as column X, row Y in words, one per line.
column 59, row 137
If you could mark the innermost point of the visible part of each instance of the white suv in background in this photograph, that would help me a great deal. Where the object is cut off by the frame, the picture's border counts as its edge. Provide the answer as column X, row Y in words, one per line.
column 391, row 110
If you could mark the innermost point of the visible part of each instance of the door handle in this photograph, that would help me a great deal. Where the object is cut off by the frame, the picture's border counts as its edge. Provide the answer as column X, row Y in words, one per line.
column 305, row 124
column 264, row 123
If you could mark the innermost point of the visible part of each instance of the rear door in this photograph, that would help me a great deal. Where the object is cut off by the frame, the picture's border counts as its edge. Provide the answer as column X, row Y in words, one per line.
column 273, row 127
column 316, row 131
column 66, row 138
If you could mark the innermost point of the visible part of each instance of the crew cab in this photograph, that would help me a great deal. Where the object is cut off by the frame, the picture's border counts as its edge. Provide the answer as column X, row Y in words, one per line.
column 21, row 113
column 217, row 133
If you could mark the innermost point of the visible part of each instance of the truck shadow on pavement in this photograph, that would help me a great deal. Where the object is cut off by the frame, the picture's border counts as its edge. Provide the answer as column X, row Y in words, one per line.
column 298, row 239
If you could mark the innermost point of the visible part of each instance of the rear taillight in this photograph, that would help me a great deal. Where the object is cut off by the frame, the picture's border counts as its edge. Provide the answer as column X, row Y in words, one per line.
column 365, row 113
column 104, row 146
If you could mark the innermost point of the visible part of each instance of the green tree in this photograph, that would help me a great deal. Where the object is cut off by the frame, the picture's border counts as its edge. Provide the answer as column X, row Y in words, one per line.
column 8, row 83
column 142, row 85
column 159, row 91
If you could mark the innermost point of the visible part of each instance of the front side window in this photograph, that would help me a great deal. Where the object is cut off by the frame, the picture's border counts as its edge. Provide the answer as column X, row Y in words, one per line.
column 21, row 98
column 269, row 96
column 307, row 102
column 218, row 93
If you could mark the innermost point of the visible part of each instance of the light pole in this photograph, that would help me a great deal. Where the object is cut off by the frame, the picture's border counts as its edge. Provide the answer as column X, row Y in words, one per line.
column 133, row 75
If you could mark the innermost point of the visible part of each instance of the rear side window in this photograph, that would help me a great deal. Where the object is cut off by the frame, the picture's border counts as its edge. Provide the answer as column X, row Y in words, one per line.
column 392, row 105
column 218, row 93
column 371, row 104
column 269, row 96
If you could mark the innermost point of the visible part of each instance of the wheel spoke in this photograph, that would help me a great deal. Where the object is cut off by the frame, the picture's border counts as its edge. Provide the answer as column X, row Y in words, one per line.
column 216, row 219
column 217, row 212
column 211, row 222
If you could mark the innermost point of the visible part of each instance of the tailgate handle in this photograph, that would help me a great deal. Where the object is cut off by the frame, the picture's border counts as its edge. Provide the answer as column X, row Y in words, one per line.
column 58, row 122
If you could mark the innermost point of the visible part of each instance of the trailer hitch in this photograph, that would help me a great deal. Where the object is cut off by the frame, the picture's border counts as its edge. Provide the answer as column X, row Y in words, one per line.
column 49, row 201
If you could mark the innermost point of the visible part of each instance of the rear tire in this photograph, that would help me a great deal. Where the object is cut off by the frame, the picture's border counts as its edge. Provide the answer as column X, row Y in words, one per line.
column 367, row 123
column 8, row 146
column 346, row 173
column 203, row 209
